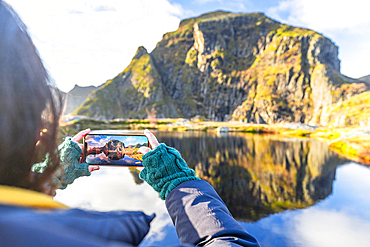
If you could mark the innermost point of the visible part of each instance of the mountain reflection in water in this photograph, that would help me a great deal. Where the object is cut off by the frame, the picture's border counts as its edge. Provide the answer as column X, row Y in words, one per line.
column 256, row 176
column 259, row 175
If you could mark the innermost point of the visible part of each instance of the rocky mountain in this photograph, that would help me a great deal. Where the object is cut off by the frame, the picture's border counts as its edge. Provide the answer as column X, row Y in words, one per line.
column 227, row 66
column 74, row 98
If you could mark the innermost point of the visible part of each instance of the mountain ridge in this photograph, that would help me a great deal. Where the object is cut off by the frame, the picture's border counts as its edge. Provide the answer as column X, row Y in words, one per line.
column 75, row 97
column 229, row 66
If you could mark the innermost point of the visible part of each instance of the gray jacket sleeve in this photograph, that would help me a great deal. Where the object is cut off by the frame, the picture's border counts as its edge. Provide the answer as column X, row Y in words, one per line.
column 202, row 218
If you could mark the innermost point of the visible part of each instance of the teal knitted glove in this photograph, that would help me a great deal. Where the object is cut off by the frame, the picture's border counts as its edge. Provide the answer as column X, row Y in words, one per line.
column 70, row 154
column 165, row 169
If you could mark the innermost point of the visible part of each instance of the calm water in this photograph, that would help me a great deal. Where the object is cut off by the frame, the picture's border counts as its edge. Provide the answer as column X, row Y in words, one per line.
column 286, row 192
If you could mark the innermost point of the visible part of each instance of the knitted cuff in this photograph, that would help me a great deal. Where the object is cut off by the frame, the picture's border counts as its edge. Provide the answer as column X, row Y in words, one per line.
column 69, row 151
column 165, row 169
column 70, row 154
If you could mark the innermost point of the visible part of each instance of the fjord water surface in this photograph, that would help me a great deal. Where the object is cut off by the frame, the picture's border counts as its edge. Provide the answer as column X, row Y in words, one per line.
column 285, row 191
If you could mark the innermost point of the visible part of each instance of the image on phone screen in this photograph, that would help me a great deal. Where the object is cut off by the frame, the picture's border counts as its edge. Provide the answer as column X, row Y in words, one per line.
column 120, row 150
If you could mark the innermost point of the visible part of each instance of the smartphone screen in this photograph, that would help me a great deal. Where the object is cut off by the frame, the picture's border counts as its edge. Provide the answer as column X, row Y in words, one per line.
column 114, row 149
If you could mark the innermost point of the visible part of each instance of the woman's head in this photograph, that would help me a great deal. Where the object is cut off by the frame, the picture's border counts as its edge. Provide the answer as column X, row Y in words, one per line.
column 27, row 105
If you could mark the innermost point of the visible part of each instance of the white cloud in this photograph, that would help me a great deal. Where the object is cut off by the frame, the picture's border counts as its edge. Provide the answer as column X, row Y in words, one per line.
column 330, row 228
column 133, row 140
column 206, row 1
column 233, row 6
column 88, row 42
column 113, row 188
column 97, row 141
column 325, row 14
column 345, row 22
column 340, row 220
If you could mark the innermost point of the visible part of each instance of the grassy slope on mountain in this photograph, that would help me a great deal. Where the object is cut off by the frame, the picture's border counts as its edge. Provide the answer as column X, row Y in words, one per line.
column 139, row 84
column 223, row 65
column 354, row 111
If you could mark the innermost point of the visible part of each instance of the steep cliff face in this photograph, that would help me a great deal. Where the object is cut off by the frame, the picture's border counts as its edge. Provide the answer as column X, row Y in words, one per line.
column 223, row 66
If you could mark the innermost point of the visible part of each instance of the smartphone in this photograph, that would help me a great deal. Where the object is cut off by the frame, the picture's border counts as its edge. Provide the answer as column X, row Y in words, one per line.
column 114, row 148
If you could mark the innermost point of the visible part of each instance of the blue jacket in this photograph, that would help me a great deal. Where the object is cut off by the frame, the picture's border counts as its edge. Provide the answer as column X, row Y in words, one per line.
column 198, row 213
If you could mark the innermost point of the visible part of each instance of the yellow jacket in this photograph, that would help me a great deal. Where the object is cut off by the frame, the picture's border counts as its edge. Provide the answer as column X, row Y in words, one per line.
column 27, row 198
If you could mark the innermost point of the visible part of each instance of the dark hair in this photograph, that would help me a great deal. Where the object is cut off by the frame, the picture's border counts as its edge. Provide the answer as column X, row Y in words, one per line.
column 28, row 106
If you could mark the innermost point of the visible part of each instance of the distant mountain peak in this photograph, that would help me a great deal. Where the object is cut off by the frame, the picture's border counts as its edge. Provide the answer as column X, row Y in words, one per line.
column 74, row 98
column 141, row 50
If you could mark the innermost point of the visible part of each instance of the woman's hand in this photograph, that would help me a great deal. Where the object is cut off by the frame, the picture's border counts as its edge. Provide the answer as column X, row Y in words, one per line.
column 152, row 140
column 153, row 143
column 78, row 137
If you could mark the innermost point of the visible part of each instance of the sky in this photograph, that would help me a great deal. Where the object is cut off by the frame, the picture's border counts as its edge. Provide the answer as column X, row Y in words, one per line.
column 87, row 42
